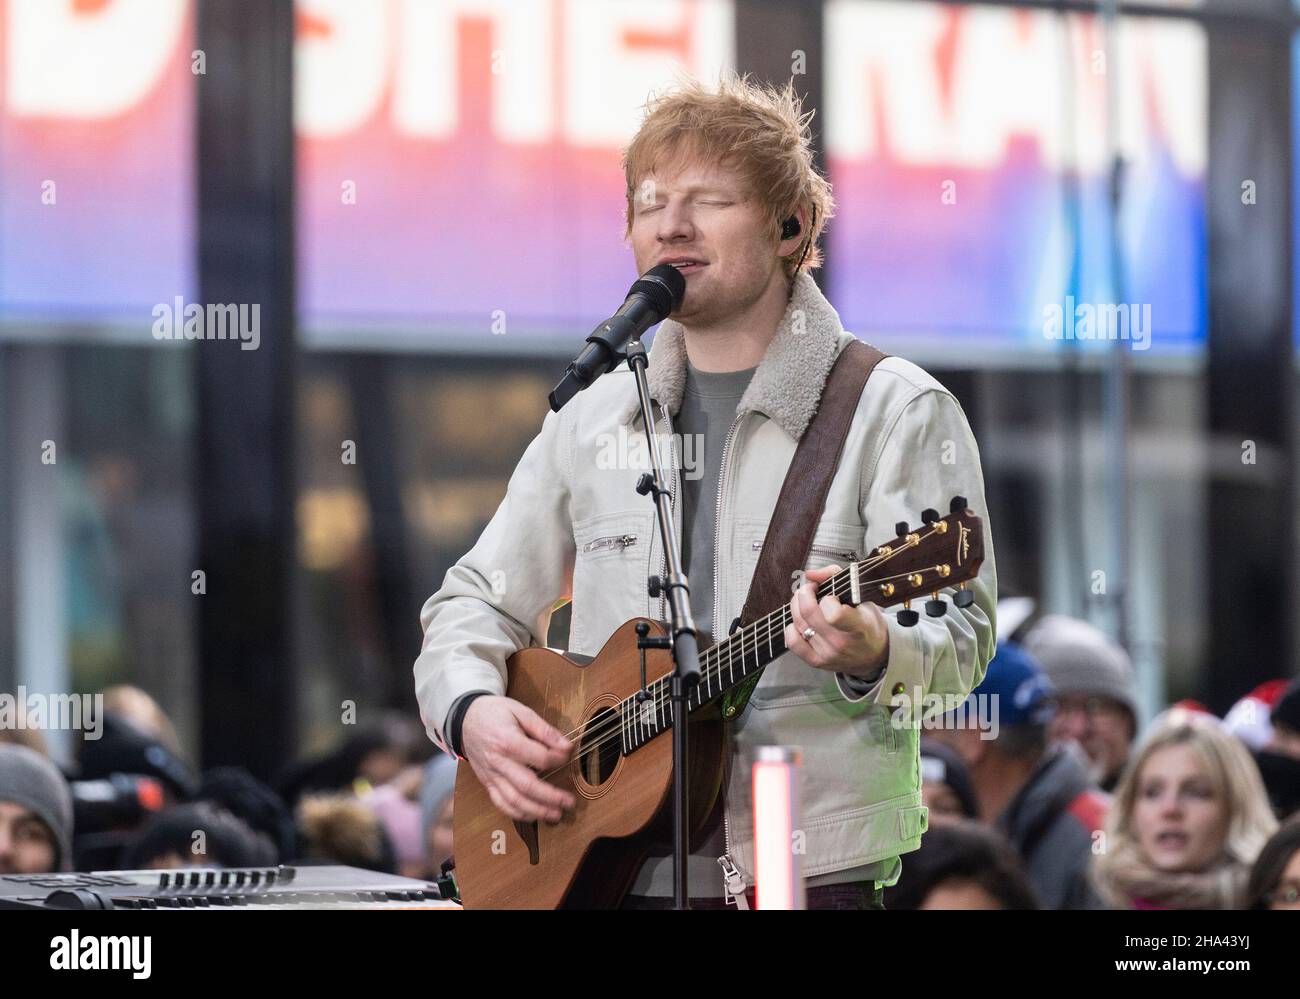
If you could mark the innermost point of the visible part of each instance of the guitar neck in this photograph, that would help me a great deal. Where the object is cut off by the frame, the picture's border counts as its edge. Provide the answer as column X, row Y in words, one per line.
column 722, row 667
column 943, row 553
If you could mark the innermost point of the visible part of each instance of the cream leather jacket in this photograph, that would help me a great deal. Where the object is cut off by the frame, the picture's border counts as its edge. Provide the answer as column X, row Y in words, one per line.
column 572, row 524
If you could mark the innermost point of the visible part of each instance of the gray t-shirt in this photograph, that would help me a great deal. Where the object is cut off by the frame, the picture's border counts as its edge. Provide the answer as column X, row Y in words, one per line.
column 707, row 412
column 706, row 416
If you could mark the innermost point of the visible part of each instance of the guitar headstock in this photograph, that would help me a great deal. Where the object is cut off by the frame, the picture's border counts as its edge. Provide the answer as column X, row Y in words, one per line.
column 921, row 561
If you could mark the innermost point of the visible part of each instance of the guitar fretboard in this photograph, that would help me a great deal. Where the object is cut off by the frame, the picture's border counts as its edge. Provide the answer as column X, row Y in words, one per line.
column 722, row 667
column 946, row 551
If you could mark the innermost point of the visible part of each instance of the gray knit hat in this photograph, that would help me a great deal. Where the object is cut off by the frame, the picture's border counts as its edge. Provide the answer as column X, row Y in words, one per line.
column 29, row 779
column 1082, row 659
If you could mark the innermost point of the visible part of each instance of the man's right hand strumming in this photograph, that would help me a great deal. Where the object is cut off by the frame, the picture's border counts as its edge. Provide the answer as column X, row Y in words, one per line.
column 508, row 745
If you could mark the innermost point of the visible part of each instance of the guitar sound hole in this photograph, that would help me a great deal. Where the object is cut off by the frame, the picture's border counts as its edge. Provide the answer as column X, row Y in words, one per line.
column 599, row 747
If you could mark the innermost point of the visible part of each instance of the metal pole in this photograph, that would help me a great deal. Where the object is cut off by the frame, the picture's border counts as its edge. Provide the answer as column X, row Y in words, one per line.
column 1116, row 382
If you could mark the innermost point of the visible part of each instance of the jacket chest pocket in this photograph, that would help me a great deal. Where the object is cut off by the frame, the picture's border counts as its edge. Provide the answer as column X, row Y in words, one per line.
column 789, row 680
column 609, row 575
column 818, row 555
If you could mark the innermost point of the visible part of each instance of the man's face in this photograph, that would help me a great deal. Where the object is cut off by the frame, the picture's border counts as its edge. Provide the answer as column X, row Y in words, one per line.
column 1101, row 726
column 703, row 214
column 26, row 843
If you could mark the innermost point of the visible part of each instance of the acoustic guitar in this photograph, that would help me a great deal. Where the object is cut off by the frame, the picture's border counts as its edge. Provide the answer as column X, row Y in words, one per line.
column 621, row 769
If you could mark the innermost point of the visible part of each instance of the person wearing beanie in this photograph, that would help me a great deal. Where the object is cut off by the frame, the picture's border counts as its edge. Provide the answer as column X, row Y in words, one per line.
column 123, row 749
column 1285, row 719
column 35, row 814
column 1036, row 792
column 1278, row 758
column 963, row 865
column 1248, row 719
column 249, row 799
column 168, row 841
column 1096, row 693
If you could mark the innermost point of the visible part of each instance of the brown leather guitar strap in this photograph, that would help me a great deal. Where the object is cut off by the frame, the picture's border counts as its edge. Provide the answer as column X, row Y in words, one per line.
column 803, row 497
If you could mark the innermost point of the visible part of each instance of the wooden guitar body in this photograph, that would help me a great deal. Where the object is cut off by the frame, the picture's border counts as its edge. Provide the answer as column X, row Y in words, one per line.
column 591, row 857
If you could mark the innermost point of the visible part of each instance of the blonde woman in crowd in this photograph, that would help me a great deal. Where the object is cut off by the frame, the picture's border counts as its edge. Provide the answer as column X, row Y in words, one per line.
column 1189, row 817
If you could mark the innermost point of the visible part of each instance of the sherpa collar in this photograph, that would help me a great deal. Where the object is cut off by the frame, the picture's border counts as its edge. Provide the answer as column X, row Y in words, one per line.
column 788, row 383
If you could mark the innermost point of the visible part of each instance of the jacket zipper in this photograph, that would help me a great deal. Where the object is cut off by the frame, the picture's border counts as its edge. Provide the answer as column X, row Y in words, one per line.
column 621, row 540
column 847, row 553
column 717, row 526
column 732, row 878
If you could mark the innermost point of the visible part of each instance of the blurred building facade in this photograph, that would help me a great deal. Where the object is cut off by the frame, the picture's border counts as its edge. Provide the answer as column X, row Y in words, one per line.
column 425, row 200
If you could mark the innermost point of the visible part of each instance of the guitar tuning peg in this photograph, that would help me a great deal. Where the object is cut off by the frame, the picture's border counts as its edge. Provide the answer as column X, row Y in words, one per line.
column 908, row 617
column 934, row 607
column 964, row 597
column 901, row 528
column 957, row 505
column 929, row 515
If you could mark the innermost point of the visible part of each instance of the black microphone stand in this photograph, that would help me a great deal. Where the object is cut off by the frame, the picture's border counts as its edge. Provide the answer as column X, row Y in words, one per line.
column 682, row 632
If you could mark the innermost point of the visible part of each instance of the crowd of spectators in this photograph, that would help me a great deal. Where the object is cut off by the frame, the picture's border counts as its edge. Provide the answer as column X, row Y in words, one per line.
column 380, row 800
column 1066, row 801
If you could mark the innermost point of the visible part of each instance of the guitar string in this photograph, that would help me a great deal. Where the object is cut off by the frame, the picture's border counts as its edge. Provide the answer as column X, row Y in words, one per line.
column 767, row 629
column 715, row 653
column 610, row 726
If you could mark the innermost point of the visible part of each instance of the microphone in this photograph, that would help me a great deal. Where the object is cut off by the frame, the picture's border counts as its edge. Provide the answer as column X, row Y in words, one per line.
column 655, row 294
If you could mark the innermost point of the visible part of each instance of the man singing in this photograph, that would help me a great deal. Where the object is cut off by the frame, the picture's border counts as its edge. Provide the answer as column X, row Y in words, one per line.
column 721, row 183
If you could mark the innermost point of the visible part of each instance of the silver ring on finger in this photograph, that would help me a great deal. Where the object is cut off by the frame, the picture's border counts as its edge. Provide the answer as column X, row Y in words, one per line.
column 808, row 634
